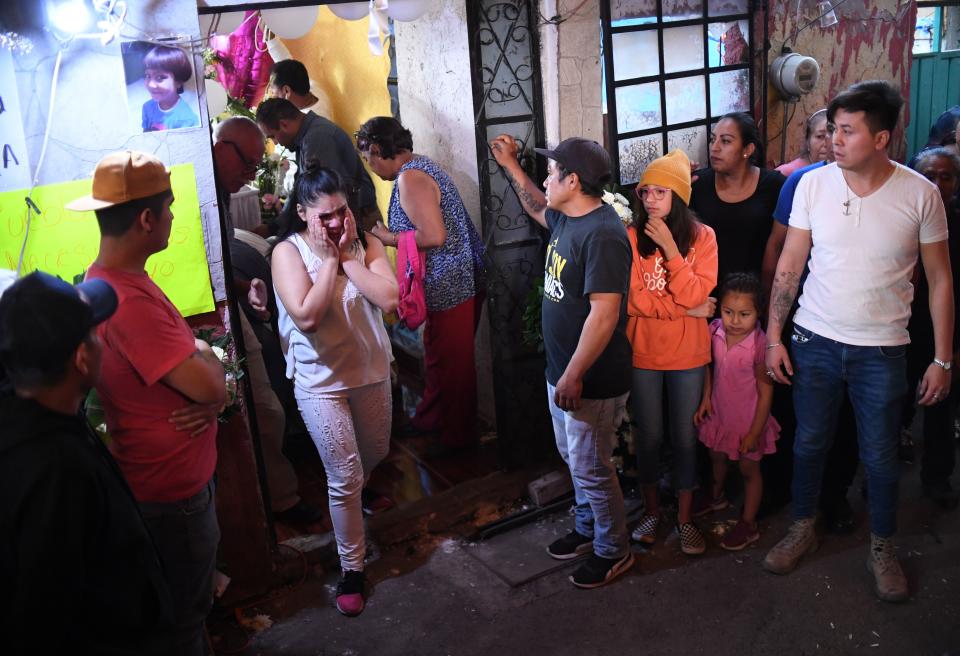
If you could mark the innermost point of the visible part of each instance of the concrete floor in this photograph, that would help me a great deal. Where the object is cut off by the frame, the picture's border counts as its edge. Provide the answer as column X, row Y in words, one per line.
column 433, row 597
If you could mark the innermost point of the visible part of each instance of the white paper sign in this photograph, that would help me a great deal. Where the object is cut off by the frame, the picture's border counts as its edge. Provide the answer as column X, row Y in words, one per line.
column 14, row 166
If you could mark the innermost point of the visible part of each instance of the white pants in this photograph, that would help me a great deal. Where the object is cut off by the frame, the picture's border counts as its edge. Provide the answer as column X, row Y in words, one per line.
column 351, row 429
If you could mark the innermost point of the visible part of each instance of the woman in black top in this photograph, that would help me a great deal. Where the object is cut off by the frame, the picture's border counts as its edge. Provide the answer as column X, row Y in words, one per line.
column 736, row 197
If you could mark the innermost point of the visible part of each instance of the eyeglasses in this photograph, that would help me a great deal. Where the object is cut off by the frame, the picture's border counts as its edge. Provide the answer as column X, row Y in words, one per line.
column 249, row 165
column 656, row 193
column 363, row 141
column 339, row 213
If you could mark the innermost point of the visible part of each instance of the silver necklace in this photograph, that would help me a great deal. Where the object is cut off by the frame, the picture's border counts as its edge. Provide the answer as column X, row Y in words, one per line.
column 846, row 203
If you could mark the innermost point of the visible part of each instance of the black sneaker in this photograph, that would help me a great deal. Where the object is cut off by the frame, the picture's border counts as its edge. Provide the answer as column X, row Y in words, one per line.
column 599, row 571
column 351, row 597
column 570, row 546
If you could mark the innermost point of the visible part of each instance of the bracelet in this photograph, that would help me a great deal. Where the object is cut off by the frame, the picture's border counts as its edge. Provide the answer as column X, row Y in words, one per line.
column 770, row 346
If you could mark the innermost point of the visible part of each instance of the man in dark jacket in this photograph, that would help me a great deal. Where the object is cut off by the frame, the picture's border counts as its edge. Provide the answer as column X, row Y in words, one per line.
column 315, row 138
column 79, row 570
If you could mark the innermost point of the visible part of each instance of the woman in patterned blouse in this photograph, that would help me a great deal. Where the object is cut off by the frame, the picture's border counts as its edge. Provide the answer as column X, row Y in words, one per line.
column 426, row 201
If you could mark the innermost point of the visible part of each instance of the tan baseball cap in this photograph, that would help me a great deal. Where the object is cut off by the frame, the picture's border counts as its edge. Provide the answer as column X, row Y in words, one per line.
column 122, row 177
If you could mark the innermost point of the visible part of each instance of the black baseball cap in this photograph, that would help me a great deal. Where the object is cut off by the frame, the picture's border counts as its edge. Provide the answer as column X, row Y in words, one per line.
column 44, row 319
column 585, row 157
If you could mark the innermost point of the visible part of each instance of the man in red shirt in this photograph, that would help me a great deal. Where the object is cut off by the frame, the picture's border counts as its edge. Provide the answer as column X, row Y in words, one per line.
column 154, row 368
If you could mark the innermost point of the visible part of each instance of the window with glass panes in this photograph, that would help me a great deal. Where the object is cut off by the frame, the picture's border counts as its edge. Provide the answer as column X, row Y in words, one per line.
column 937, row 28
column 671, row 68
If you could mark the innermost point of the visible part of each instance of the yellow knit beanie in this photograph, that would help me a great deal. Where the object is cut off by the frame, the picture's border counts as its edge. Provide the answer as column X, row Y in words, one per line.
column 671, row 171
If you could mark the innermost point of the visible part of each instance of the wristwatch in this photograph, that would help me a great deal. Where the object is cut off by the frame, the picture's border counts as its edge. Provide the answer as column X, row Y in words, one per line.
column 946, row 365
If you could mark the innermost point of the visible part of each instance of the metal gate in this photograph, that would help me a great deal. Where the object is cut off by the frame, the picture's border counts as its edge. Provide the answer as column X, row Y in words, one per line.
column 505, row 61
column 934, row 88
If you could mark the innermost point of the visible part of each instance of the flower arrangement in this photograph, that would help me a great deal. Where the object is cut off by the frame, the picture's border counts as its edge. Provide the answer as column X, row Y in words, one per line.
column 620, row 203
column 270, row 182
column 224, row 348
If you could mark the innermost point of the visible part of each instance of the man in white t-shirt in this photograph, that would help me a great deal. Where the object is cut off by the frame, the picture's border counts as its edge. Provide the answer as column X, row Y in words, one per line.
column 863, row 222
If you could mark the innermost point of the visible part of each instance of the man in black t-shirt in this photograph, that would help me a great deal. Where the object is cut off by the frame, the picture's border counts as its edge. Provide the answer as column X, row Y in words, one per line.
column 586, row 278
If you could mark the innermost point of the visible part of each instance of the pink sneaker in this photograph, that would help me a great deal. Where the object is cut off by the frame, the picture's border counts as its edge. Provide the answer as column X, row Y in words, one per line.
column 350, row 593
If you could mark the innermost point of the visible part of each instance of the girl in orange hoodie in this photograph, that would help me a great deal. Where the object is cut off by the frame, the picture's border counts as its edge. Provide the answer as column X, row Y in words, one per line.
column 674, row 270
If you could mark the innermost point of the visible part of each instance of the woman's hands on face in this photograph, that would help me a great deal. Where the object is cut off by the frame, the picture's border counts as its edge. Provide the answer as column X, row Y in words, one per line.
column 321, row 244
column 348, row 238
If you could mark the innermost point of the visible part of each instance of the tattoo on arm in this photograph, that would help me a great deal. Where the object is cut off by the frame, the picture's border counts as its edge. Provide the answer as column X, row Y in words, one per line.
column 785, row 287
column 529, row 201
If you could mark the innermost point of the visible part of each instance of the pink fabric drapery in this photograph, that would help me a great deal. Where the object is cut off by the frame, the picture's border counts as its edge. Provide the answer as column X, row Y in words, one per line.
column 244, row 70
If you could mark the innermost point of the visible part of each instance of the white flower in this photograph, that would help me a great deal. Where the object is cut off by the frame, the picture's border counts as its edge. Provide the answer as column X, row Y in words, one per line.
column 620, row 204
column 219, row 352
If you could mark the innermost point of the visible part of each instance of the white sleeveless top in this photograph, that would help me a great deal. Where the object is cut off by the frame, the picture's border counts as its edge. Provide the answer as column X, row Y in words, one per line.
column 349, row 348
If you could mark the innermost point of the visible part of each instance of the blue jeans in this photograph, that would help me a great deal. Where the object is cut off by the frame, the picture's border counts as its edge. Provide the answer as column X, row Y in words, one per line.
column 585, row 439
column 684, row 391
column 875, row 377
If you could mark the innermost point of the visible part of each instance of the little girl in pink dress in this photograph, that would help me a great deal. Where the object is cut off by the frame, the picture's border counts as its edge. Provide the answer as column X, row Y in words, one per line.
column 734, row 415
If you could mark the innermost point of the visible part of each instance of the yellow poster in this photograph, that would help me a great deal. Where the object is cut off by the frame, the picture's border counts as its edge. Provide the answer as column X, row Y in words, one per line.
column 65, row 243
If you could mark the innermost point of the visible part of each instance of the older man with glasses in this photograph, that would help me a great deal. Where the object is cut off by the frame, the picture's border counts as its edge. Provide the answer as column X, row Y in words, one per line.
column 237, row 154
column 238, row 147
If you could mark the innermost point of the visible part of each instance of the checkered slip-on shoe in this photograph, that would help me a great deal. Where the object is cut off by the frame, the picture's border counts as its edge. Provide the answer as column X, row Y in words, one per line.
column 691, row 539
column 646, row 530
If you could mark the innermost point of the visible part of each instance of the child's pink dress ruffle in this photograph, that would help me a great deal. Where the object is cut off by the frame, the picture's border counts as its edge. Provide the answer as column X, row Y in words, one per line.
column 734, row 396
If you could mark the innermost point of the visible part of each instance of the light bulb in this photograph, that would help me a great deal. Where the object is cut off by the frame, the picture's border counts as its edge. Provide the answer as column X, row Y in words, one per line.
column 69, row 16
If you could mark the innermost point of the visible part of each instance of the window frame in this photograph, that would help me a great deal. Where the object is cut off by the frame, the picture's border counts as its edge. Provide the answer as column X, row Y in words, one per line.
column 937, row 40
column 611, row 84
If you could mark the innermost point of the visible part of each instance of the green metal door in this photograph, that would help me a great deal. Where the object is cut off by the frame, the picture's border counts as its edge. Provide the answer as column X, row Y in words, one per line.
column 934, row 88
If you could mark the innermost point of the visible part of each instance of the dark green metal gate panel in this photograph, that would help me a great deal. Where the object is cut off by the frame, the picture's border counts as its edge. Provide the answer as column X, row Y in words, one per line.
column 934, row 88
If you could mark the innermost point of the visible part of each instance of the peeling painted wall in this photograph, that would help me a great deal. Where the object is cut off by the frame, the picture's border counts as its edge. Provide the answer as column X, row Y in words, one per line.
column 872, row 40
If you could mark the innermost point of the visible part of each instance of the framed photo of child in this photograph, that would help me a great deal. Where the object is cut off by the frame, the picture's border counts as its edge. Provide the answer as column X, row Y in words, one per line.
column 161, row 86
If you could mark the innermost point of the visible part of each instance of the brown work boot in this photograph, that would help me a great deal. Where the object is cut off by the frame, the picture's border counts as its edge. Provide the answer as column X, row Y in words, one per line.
column 890, row 584
column 800, row 540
